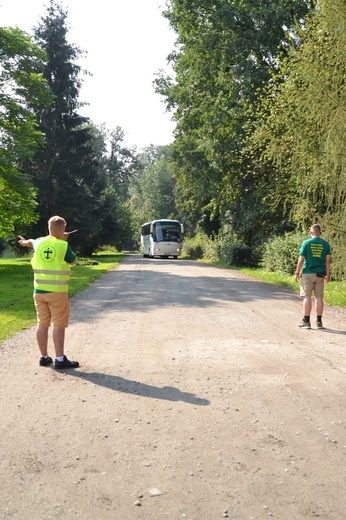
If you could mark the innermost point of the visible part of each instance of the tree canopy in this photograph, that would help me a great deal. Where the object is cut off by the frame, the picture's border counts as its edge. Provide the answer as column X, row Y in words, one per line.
column 225, row 53
column 301, row 125
column 21, row 86
column 258, row 94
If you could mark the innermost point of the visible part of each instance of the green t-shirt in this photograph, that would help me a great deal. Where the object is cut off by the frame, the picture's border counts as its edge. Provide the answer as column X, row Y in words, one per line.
column 314, row 251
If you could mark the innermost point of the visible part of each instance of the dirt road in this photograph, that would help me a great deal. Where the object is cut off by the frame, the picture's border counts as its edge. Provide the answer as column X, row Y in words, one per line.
column 198, row 398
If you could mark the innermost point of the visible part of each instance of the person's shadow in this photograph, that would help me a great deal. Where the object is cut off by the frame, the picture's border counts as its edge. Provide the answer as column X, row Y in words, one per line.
column 127, row 386
column 333, row 331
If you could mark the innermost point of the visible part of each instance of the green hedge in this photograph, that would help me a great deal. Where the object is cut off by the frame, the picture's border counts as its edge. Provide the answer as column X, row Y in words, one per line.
column 236, row 253
column 195, row 247
column 281, row 254
column 225, row 249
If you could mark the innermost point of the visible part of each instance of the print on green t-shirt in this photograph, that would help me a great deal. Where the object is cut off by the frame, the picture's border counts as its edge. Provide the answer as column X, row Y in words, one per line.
column 316, row 250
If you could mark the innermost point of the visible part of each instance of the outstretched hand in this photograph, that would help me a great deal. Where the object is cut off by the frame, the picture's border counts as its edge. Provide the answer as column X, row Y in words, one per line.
column 24, row 242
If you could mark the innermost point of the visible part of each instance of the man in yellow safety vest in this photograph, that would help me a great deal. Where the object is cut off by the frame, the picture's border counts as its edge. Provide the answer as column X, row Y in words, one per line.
column 51, row 265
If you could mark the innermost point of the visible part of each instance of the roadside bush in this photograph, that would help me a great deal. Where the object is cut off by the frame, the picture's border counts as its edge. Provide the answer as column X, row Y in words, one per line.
column 226, row 243
column 281, row 254
column 212, row 250
column 236, row 253
column 226, row 249
column 195, row 247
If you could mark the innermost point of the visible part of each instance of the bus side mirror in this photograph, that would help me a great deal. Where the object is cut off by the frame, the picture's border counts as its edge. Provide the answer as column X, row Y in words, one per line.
column 182, row 228
column 151, row 228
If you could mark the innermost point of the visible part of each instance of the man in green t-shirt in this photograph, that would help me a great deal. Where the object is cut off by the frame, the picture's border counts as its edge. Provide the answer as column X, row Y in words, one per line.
column 315, row 258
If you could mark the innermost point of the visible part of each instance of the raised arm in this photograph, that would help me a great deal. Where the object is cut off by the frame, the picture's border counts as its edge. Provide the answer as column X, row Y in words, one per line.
column 25, row 242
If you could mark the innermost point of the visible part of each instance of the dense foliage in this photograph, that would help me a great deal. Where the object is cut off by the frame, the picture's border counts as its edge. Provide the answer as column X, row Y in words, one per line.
column 20, row 86
column 259, row 99
column 225, row 53
column 301, row 126
column 280, row 253
column 152, row 188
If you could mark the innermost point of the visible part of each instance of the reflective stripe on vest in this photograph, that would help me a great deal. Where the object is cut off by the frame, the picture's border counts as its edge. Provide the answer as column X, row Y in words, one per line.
column 51, row 282
column 51, row 272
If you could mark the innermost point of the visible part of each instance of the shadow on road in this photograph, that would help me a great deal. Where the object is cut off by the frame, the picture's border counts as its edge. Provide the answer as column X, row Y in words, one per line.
column 127, row 386
column 139, row 286
column 333, row 331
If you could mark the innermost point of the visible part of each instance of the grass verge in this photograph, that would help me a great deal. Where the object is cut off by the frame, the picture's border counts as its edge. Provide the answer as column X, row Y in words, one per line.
column 17, row 310
column 334, row 292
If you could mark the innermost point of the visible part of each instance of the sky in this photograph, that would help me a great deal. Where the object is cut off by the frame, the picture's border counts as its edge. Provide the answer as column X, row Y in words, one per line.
column 127, row 43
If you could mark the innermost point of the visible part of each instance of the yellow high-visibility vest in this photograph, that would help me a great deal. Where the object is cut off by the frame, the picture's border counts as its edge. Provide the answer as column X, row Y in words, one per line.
column 51, row 272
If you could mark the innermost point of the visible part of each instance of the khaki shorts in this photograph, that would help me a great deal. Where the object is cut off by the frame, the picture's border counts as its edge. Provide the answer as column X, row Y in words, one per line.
column 53, row 307
column 310, row 283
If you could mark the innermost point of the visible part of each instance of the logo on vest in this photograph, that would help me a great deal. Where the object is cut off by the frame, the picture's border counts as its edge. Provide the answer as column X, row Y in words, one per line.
column 48, row 254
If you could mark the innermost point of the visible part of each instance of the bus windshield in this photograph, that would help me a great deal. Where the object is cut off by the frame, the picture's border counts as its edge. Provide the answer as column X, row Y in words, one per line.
column 166, row 231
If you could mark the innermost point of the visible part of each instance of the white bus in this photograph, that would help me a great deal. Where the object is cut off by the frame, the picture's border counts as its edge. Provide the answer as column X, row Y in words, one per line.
column 162, row 238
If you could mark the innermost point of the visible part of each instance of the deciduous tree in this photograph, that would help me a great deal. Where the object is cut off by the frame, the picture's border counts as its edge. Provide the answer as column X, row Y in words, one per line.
column 20, row 86
column 225, row 52
column 302, row 126
column 152, row 189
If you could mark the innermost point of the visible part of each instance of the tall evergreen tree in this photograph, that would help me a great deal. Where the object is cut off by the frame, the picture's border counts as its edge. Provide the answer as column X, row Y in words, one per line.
column 66, row 173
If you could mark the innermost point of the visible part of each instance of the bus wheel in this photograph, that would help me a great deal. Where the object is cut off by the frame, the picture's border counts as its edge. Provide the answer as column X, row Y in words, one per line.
column 145, row 256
